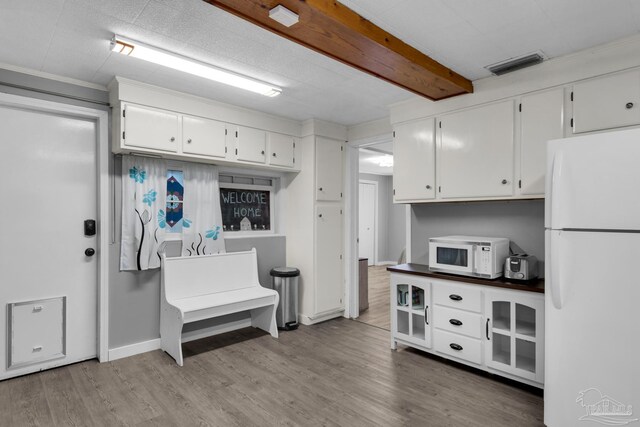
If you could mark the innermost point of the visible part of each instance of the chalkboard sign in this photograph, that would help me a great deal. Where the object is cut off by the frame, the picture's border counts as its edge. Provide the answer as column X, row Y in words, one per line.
column 245, row 210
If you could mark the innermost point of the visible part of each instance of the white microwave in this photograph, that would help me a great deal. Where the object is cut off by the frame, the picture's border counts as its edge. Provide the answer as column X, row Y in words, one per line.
column 468, row 255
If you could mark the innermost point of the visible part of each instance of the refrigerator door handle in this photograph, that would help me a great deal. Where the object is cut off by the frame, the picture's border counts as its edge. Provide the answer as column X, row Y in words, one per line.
column 552, row 204
column 555, row 284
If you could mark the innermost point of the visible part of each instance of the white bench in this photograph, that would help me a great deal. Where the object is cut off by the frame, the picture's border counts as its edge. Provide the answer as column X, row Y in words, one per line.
column 202, row 287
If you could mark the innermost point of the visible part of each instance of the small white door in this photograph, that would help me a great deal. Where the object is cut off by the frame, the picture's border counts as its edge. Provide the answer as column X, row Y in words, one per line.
column 251, row 144
column 329, row 279
column 281, row 149
column 414, row 157
column 49, row 164
column 150, row 128
column 367, row 221
column 203, row 136
column 328, row 169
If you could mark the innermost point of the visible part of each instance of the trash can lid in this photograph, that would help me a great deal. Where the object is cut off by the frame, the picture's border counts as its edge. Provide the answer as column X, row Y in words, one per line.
column 285, row 272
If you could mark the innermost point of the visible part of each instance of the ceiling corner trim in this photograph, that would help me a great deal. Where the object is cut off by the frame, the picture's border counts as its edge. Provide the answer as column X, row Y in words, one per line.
column 334, row 30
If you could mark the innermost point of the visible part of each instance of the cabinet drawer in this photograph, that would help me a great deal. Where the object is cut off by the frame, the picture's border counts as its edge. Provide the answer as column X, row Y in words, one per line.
column 36, row 331
column 458, row 321
column 456, row 296
column 458, row 346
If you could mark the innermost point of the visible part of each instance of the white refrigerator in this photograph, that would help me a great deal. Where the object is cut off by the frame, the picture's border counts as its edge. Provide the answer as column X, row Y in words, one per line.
column 592, row 308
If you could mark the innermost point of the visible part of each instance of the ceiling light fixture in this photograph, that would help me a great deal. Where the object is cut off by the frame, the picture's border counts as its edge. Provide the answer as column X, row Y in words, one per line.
column 177, row 62
column 283, row 15
column 384, row 161
column 514, row 64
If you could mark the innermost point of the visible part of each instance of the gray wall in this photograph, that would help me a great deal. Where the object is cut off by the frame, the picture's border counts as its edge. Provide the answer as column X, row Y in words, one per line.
column 391, row 219
column 521, row 221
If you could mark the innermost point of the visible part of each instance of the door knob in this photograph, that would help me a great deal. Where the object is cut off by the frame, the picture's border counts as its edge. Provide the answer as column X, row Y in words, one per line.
column 89, row 252
column 629, row 105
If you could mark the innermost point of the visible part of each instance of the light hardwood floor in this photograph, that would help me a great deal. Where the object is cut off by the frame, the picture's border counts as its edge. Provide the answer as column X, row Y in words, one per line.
column 338, row 373
column 378, row 312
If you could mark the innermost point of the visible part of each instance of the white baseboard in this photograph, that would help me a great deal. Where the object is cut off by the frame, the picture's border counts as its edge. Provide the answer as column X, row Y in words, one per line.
column 306, row 320
column 380, row 263
column 133, row 349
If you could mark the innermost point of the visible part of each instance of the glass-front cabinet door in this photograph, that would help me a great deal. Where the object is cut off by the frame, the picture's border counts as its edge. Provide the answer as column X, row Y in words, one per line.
column 514, row 334
column 411, row 311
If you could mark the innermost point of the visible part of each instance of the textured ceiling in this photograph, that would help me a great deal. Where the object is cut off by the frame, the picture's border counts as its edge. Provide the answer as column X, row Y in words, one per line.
column 71, row 38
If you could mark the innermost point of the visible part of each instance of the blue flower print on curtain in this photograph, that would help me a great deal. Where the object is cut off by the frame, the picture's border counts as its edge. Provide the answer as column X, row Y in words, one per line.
column 149, row 197
column 137, row 175
column 213, row 233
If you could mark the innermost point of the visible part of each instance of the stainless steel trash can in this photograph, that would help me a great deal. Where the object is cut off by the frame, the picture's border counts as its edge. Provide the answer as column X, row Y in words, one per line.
column 285, row 282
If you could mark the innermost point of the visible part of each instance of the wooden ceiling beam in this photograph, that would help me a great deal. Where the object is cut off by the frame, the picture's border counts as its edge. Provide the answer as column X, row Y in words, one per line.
column 334, row 30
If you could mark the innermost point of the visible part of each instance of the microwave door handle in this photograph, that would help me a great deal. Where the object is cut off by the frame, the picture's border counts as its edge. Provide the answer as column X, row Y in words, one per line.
column 474, row 258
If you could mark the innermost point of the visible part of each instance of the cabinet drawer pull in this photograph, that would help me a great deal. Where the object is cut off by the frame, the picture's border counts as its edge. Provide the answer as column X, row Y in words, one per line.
column 487, row 330
column 456, row 347
column 426, row 314
column 629, row 105
column 455, row 322
column 455, row 297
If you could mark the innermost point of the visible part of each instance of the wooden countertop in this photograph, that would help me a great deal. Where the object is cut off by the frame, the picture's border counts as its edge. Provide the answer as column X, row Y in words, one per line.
column 536, row 285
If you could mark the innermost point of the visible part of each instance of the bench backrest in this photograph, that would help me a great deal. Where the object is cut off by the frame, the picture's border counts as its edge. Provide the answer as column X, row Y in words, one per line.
column 190, row 276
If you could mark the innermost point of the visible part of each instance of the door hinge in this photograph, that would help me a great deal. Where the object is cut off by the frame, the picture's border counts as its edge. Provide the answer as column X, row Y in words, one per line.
column 236, row 151
column 520, row 107
column 122, row 134
column 439, row 189
column 341, row 256
column 124, row 113
column 571, row 122
column 394, row 191
column 341, row 148
column 294, row 160
column 440, row 125
column 225, row 150
column 340, row 211
column 225, row 132
column 294, row 145
column 394, row 133
column 340, row 194
column 572, row 96
column 236, row 134
column 519, row 183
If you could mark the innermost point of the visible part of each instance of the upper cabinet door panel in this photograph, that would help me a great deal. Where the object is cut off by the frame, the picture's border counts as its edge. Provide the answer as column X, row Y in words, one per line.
column 414, row 161
column 607, row 102
column 203, row 136
column 281, row 149
column 476, row 152
column 541, row 121
column 251, row 144
column 328, row 169
column 150, row 128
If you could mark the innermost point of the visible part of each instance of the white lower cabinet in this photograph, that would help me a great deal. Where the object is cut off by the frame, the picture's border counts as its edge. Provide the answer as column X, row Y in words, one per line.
column 515, row 333
column 411, row 311
column 494, row 329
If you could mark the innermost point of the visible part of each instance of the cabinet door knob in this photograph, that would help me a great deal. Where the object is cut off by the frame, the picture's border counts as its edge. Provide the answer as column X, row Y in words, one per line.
column 172, row 139
column 320, row 188
column 629, row 105
column 189, row 141
column 428, row 187
column 274, row 155
column 262, row 152
column 319, row 215
column 504, row 181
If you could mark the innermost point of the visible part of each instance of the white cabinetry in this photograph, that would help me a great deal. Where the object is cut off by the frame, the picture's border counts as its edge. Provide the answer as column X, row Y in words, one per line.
column 328, row 157
column 607, row 102
column 251, row 144
column 414, row 157
column 541, row 120
column 314, row 227
column 515, row 333
column 476, row 152
column 281, row 149
column 494, row 329
column 147, row 127
column 203, row 137
column 411, row 311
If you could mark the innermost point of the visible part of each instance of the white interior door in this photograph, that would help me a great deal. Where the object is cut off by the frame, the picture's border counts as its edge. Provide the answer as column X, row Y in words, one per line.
column 49, row 164
column 367, row 221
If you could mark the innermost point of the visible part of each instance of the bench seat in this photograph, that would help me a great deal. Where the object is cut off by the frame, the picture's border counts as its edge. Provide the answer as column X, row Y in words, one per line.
column 203, row 287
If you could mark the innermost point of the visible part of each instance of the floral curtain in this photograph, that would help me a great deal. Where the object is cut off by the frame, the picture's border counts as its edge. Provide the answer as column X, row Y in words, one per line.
column 144, row 187
column 202, row 224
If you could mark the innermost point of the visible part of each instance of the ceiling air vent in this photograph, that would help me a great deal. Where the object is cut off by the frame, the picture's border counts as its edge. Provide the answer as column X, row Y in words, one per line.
column 515, row 64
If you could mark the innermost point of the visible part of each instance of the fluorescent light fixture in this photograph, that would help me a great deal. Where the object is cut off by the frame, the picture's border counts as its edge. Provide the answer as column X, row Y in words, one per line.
column 177, row 62
column 283, row 15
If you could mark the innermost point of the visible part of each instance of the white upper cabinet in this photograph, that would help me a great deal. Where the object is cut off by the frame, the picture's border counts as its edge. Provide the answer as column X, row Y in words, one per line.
column 414, row 157
column 251, row 144
column 203, row 137
column 541, row 120
column 281, row 149
column 476, row 152
column 147, row 127
column 328, row 169
column 607, row 102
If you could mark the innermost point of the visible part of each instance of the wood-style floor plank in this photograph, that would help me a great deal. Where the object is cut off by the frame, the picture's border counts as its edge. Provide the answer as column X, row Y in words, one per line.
column 337, row 373
column 379, row 311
